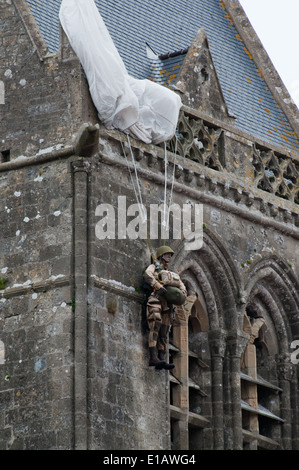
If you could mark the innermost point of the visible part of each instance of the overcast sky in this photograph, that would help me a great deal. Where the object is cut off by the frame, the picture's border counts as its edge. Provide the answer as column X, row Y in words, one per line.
column 276, row 22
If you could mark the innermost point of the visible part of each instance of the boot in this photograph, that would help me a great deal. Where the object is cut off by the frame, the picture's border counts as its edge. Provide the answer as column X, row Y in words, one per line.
column 154, row 361
column 161, row 355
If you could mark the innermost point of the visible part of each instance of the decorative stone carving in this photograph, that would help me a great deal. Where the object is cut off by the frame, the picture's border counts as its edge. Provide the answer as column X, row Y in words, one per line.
column 272, row 172
column 256, row 324
column 237, row 342
column 276, row 174
column 217, row 342
column 199, row 142
column 198, row 80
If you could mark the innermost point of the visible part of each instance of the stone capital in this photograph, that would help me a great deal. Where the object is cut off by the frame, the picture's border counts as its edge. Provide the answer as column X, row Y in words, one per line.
column 285, row 368
column 237, row 341
column 80, row 165
column 217, row 342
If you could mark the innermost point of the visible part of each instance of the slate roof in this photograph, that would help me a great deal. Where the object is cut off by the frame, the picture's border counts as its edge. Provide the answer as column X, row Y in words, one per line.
column 164, row 69
column 172, row 26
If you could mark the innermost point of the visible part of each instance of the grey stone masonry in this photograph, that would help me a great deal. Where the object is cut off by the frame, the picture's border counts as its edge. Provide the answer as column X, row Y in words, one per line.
column 44, row 93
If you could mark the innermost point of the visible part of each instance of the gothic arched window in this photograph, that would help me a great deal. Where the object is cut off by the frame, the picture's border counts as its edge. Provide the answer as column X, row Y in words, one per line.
column 260, row 401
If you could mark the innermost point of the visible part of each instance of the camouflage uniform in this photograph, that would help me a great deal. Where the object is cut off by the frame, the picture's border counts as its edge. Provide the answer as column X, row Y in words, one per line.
column 158, row 312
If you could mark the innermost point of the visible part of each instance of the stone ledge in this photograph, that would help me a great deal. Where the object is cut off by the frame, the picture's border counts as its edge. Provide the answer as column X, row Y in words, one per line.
column 37, row 159
column 41, row 286
column 109, row 285
column 263, row 441
column 195, row 175
column 226, row 201
column 84, row 145
column 194, row 420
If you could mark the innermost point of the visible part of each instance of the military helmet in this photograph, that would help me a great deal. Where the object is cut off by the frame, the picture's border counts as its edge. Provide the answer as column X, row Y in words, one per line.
column 162, row 250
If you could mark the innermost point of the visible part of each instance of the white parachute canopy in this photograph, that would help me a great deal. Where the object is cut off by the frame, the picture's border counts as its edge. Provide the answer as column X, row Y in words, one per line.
column 141, row 108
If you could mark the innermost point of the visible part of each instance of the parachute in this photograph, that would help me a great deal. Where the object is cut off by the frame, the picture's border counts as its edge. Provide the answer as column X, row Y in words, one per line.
column 143, row 109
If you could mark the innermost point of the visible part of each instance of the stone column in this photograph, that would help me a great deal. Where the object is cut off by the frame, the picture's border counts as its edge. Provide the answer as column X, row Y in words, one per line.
column 285, row 376
column 217, row 342
column 237, row 342
column 80, row 243
column 181, row 372
column 295, row 406
column 252, row 327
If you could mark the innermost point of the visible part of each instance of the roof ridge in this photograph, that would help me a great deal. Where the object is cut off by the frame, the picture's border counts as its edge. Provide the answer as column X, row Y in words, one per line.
column 168, row 55
column 264, row 63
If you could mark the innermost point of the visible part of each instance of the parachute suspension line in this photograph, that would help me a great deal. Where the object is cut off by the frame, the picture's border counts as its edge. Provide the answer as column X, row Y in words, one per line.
column 137, row 192
column 149, row 243
column 136, row 187
column 165, row 186
column 172, row 181
column 141, row 206
column 131, row 176
column 139, row 200
column 166, row 219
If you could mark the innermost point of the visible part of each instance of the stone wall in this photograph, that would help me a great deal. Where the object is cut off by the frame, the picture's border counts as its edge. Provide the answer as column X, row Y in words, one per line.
column 36, row 310
column 44, row 93
column 74, row 350
column 72, row 304
column 248, row 257
column 129, row 397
